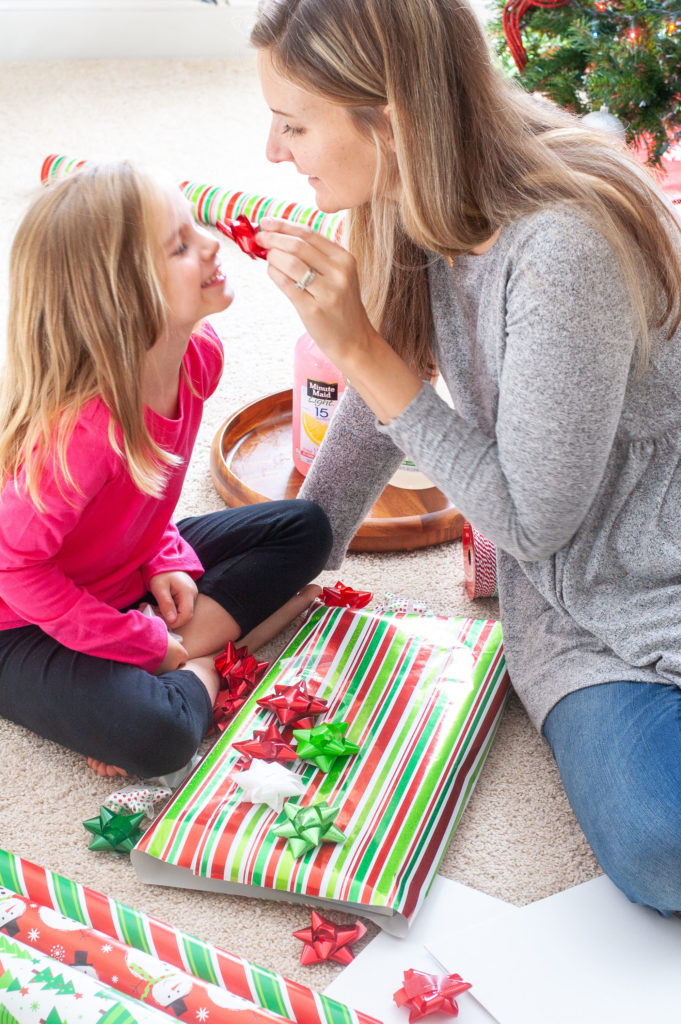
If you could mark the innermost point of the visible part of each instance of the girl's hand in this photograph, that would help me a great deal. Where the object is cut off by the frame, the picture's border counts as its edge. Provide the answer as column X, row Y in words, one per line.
column 330, row 306
column 176, row 656
column 175, row 594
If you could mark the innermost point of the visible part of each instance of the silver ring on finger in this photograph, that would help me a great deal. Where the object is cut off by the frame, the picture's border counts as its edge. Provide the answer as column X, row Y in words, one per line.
column 307, row 279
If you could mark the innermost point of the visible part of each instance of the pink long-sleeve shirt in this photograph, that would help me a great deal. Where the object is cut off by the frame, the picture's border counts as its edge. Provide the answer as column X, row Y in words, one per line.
column 93, row 550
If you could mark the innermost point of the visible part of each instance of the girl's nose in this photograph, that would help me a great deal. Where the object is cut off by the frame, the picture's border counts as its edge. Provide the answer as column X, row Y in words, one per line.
column 209, row 245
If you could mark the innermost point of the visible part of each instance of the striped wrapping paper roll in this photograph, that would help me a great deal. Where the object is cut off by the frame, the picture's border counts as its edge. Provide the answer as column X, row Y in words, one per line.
column 422, row 696
column 233, row 974
column 128, row 972
column 213, row 203
column 479, row 563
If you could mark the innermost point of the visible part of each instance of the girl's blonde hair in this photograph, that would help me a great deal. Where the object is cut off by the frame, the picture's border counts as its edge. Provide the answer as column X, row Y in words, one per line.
column 86, row 304
column 471, row 150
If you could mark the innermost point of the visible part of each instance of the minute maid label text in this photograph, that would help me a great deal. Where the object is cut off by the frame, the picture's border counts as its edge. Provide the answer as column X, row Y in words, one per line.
column 320, row 391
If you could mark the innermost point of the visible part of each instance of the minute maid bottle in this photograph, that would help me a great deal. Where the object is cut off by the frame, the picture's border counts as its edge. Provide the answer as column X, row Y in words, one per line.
column 317, row 388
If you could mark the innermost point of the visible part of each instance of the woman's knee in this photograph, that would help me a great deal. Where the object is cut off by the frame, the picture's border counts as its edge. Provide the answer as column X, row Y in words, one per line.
column 643, row 859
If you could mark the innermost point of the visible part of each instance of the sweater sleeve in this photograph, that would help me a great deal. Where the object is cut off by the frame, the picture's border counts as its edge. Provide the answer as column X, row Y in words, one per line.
column 563, row 367
column 350, row 471
column 33, row 584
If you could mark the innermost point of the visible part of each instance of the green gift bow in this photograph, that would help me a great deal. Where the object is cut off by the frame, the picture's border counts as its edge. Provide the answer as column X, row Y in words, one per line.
column 111, row 831
column 324, row 743
column 307, row 827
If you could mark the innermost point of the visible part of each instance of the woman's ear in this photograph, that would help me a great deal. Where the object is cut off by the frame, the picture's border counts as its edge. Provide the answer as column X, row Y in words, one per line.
column 387, row 115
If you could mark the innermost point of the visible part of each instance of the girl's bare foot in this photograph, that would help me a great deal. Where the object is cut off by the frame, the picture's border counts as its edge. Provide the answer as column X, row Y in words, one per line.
column 108, row 770
column 268, row 628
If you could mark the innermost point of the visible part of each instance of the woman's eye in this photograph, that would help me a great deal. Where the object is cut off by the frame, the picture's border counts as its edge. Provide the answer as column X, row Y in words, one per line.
column 182, row 247
column 289, row 130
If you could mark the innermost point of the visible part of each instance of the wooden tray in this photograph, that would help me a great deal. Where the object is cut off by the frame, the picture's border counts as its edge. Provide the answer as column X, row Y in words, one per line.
column 251, row 461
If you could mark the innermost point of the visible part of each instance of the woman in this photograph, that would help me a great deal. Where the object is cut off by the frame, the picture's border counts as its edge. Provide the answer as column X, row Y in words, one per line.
column 535, row 264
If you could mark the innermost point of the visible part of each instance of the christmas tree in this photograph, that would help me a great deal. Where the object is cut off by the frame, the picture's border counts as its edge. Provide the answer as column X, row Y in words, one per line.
column 624, row 55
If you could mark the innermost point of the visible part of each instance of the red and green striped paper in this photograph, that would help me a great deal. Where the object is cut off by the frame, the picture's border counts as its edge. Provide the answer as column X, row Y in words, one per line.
column 422, row 696
column 272, row 992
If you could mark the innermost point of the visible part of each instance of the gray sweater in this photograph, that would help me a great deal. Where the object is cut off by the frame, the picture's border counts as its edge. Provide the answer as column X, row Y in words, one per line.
column 557, row 451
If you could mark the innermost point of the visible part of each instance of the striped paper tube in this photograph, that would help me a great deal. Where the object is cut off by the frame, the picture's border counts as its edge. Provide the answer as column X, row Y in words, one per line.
column 479, row 563
column 129, row 972
column 264, row 988
column 422, row 696
column 213, row 203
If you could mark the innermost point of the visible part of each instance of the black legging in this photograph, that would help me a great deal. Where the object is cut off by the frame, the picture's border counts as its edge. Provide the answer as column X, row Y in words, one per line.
column 255, row 558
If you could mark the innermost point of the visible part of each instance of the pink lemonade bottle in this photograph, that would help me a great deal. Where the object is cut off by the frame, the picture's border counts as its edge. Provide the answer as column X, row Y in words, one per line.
column 317, row 388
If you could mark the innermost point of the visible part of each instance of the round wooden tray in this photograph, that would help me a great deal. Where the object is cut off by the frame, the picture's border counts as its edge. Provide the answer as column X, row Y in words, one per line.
column 251, row 461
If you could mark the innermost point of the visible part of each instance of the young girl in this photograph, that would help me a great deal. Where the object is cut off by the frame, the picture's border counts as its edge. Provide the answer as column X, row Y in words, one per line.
column 537, row 264
column 109, row 363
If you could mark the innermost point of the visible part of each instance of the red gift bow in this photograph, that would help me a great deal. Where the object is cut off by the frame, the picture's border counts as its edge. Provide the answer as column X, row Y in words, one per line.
column 325, row 940
column 511, row 20
column 340, row 596
column 240, row 673
column 268, row 745
column 243, row 233
column 430, row 993
column 294, row 704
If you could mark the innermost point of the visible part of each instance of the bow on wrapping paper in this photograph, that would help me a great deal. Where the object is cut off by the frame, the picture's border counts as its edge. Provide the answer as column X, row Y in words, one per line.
column 111, row 831
column 340, row 596
column 268, row 745
column 308, row 827
column 294, row 704
column 324, row 743
column 240, row 673
column 243, row 233
column 430, row 993
column 325, row 940
column 266, row 782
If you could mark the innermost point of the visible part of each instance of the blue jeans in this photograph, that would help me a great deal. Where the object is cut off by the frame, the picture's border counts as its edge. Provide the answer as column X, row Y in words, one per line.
column 618, row 748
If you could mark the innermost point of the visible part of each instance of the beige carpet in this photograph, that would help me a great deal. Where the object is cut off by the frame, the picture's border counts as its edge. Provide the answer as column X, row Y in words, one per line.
column 518, row 838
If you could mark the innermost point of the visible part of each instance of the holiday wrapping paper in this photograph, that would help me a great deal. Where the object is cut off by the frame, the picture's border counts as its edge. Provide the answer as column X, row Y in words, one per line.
column 212, row 203
column 141, row 969
column 421, row 696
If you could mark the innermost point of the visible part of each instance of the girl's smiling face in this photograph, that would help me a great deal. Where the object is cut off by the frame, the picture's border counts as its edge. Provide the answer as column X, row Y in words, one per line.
column 194, row 284
column 320, row 139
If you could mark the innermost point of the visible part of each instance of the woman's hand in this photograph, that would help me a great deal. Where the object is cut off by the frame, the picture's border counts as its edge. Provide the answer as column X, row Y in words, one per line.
column 175, row 594
column 330, row 306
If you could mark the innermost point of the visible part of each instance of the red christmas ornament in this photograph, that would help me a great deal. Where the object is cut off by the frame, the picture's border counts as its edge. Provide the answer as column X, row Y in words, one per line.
column 340, row 596
column 511, row 19
column 268, row 745
column 243, row 233
column 294, row 704
column 430, row 993
column 325, row 940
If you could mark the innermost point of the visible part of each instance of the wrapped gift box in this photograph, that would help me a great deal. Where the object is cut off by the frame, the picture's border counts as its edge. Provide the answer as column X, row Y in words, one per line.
column 422, row 696
column 68, row 953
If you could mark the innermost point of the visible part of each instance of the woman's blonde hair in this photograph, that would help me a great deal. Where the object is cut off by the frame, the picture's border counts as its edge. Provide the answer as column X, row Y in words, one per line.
column 86, row 304
column 471, row 150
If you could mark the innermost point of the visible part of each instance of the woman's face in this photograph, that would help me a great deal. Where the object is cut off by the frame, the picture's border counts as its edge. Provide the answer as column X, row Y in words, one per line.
column 320, row 139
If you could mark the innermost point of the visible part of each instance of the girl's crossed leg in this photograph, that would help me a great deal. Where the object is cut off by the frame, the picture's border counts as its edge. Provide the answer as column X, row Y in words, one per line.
column 257, row 559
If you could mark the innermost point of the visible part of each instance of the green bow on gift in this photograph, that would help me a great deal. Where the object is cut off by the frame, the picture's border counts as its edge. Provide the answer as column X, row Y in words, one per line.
column 307, row 827
column 111, row 831
column 324, row 743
